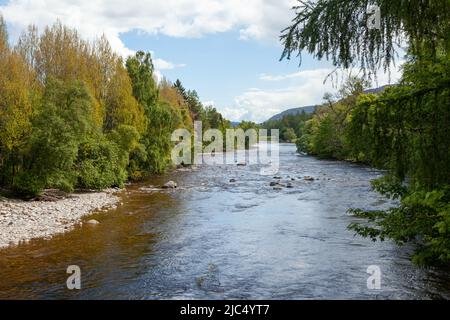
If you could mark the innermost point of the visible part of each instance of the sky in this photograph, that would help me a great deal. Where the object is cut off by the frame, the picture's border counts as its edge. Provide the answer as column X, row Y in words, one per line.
column 227, row 50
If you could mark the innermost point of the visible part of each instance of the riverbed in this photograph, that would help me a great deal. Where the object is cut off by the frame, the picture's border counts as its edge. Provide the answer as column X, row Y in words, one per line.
column 225, row 233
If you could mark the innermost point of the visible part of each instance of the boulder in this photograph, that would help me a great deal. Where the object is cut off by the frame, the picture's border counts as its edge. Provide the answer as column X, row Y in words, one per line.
column 308, row 178
column 170, row 185
column 273, row 184
column 93, row 222
column 232, row 180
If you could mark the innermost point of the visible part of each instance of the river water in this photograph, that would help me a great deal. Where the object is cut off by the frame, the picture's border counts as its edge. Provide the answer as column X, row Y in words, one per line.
column 216, row 239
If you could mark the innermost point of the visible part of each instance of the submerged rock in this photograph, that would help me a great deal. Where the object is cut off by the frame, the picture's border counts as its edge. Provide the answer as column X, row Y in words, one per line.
column 308, row 178
column 232, row 180
column 93, row 222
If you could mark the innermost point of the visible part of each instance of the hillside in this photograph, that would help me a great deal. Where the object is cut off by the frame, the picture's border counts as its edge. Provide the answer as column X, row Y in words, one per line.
column 311, row 109
column 293, row 111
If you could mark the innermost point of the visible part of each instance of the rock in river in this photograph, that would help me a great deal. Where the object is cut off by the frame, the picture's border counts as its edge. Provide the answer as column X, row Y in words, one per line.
column 170, row 185
column 93, row 222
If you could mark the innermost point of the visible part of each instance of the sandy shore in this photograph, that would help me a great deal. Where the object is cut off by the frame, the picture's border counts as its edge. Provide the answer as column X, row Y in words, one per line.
column 21, row 221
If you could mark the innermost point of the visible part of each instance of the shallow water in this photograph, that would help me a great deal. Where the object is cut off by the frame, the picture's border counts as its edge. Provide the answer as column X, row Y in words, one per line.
column 213, row 239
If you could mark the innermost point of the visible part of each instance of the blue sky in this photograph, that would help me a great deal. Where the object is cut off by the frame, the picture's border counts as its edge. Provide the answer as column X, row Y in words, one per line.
column 227, row 50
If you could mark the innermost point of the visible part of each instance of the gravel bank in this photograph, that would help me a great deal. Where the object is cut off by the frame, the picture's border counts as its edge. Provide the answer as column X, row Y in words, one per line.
column 21, row 221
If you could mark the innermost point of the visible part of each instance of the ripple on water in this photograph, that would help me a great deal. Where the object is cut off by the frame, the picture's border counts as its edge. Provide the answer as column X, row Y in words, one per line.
column 214, row 239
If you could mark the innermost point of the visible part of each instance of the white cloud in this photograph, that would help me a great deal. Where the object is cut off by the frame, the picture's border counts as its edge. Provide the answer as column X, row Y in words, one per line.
column 161, row 64
column 305, row 74
column 233, row 114
column 259, row 105
column 254, row 19
column 306, row 87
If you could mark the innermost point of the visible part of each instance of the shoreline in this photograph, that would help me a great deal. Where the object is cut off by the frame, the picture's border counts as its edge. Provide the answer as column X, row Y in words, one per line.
column 22, row 221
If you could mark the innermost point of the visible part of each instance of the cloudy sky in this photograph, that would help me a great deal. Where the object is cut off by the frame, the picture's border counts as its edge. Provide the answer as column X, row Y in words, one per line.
column 228, row 50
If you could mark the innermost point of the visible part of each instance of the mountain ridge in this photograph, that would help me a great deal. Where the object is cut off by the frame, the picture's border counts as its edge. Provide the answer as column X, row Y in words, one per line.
column 312, row 108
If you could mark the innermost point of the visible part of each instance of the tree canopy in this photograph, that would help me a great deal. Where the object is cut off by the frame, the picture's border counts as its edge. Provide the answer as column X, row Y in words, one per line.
column 337, row 30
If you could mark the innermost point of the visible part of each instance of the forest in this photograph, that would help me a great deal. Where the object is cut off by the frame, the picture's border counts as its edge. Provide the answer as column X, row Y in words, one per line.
column 75, row 115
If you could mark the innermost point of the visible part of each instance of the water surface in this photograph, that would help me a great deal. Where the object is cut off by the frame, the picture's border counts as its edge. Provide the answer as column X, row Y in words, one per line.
column 216, row 239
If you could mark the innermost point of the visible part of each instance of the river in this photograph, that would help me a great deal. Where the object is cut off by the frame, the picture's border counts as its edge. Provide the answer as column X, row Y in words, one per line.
column 216, row 239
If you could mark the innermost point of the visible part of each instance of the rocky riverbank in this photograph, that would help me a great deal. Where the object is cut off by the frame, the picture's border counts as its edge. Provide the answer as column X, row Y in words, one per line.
column 21, row 221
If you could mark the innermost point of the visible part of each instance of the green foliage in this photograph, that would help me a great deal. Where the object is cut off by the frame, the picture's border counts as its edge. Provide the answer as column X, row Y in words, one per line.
column 161, row 118
column 405, row 129
column 73, row 116
column 100, row 165
column 423, row 217
column 64, row 120
column 26, row 184
column 289, row 126
column 289, row 135
column 157, row 138
column 337, row 30
column 326, row 133
column 140, row 69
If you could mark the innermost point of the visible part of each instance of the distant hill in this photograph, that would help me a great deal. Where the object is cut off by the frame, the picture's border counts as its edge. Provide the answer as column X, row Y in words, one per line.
column 311, row 109
column 378, row 90
column 294, row 111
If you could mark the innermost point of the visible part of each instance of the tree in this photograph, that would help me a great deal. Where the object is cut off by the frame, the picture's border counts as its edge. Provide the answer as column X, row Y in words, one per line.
column 337, row 30
column 171, row 95
column 181, row 90
column 121, row 106
column 18, row 95
column 64, row 120
column 289, row 135
column 161, row 117
column 3, row 36
column 194, row 104
column 405, row 129
column 140, row 69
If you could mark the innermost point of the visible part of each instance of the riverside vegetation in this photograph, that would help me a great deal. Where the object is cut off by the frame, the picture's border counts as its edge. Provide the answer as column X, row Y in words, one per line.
column 404, row 129
column 74, row 115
